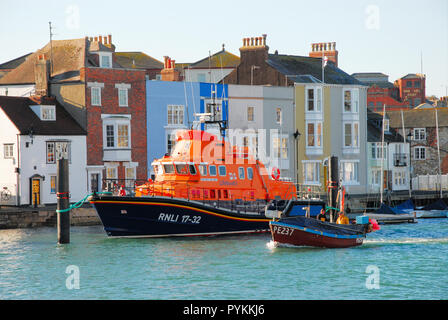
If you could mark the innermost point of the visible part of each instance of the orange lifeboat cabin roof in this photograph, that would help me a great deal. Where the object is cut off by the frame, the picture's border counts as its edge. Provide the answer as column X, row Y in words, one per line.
column 203, row 167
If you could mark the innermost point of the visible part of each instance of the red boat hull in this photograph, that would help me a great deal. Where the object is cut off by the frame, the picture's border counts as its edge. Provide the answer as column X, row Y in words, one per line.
column 298, row 237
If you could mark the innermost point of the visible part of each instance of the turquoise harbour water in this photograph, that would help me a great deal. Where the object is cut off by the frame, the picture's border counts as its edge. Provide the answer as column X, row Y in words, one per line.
column 409, row 261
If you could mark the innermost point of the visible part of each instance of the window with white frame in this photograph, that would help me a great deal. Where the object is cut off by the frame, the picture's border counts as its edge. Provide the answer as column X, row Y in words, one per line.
column 8, row 150
column 58, row 150
column 53, row 181
column 311, row 172
column 170, row 142
column 95, row 94
column 278, row 115
column 122, row 97
column 351, row 101
column 129, row 176
column 105, row 60
column 116, row 134
column 375, row 177
column 250, row 114
column 280, row 147
column 48, row 113
column 419, row 133
column 313, row 99
column 175, row 115
column 111, row 173
column 420, row 153
column 351, row 134
column 314, row 134
column 349, row 172
column 399, row 178
column 378, row 152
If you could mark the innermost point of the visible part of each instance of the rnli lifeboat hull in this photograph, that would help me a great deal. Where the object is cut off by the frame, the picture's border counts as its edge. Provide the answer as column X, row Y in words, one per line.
column 167, row 217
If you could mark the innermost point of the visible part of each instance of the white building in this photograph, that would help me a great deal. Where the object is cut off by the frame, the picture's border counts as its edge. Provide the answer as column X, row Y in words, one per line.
column 34, row 133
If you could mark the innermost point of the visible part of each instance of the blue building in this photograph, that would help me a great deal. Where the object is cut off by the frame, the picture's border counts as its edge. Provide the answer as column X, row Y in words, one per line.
column 172, row 105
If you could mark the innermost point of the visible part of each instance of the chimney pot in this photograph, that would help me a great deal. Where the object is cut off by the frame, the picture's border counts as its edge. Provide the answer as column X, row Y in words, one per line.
column 96, row 39
column 100, row 39
column 109, row 39
column 252, row 41
column 264, row 39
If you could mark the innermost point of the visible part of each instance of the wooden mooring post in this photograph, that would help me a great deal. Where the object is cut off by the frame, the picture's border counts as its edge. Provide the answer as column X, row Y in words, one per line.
column 63, row 195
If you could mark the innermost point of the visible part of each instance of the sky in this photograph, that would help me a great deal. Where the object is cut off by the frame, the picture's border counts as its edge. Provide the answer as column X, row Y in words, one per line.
column 395, row 37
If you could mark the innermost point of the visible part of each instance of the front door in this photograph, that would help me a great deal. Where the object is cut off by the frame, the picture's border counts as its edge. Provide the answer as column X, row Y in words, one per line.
column 35, row 192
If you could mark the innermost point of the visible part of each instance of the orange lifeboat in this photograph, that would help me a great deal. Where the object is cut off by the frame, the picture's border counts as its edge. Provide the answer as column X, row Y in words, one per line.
column 203, row 167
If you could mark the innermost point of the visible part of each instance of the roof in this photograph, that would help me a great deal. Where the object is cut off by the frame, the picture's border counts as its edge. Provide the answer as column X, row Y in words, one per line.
column 374, row 134
column 19, row 112
column 68, row 57
column 295, row 67
column 137, row 60
column 14, row 63
column 419, row 118
column 221, row 59
column 413, row 76
column 369, row 74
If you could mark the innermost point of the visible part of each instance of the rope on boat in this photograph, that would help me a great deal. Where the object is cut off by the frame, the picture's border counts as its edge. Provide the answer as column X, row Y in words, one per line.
column 80, row 202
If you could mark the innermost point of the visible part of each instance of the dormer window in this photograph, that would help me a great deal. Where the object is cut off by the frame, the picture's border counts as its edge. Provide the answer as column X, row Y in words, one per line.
column 105, row 60
column 48, row 113
column 45, row 112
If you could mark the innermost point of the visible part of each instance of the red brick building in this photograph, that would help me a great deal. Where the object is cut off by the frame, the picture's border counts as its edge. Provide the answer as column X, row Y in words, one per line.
column 105, row 98
column 412, row 89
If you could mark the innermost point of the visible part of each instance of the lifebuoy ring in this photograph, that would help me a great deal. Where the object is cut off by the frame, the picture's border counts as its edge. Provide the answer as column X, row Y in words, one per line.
column 275, row 173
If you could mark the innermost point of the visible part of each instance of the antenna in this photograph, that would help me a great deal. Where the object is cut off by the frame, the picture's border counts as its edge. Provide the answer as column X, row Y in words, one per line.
column 51, row 49
column 421, row 62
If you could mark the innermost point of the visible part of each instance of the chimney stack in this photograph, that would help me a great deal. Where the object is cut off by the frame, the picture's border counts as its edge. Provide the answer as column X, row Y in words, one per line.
column 256, row 48
column 42, row 75
column 169, row 73
column 327, row 49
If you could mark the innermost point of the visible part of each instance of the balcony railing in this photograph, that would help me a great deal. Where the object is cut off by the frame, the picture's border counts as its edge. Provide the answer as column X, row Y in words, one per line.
column 400, row 159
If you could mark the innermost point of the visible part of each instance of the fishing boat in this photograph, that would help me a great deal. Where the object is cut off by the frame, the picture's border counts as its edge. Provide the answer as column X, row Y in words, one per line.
column 288, row 228
column 204, row 187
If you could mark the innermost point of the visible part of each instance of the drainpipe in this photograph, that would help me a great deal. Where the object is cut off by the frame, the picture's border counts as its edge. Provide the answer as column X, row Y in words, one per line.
column 18, row 172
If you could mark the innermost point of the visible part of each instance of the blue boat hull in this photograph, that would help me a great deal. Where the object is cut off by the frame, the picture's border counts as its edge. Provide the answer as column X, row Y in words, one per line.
column 167, row 217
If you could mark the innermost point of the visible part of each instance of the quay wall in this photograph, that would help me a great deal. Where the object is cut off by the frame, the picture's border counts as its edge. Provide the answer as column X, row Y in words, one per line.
column 15, row 218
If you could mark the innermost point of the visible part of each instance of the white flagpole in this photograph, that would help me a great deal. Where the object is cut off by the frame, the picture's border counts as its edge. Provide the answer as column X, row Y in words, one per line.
column 323, row 67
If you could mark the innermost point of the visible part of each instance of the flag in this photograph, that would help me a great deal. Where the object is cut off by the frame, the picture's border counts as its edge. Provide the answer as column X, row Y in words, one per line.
column 324, row 61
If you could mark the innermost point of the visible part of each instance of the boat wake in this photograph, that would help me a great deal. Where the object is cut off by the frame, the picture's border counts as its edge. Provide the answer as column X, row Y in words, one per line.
column 271, row 245
column 406, row 241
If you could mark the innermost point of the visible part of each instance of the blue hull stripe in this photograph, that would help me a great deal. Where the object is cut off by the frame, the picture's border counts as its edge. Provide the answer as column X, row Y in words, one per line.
column 326, row 234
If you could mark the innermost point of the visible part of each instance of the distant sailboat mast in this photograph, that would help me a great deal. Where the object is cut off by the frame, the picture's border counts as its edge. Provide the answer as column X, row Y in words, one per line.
column 438, row 154
column 382, row 155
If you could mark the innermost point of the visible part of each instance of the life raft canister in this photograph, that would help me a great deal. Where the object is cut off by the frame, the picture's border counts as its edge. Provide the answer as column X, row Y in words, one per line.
column 275, row 173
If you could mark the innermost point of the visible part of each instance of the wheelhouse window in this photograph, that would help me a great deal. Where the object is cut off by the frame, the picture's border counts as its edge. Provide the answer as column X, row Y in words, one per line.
column 181, row 168
column 203, row 169
column 222, row 170
column 250, row 173
column 241, row 173
column 192, row 169
column 168, row 168
column 212, row 170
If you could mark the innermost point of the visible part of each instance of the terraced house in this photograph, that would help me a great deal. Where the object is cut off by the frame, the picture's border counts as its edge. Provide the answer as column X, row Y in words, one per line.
column 106, row 99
